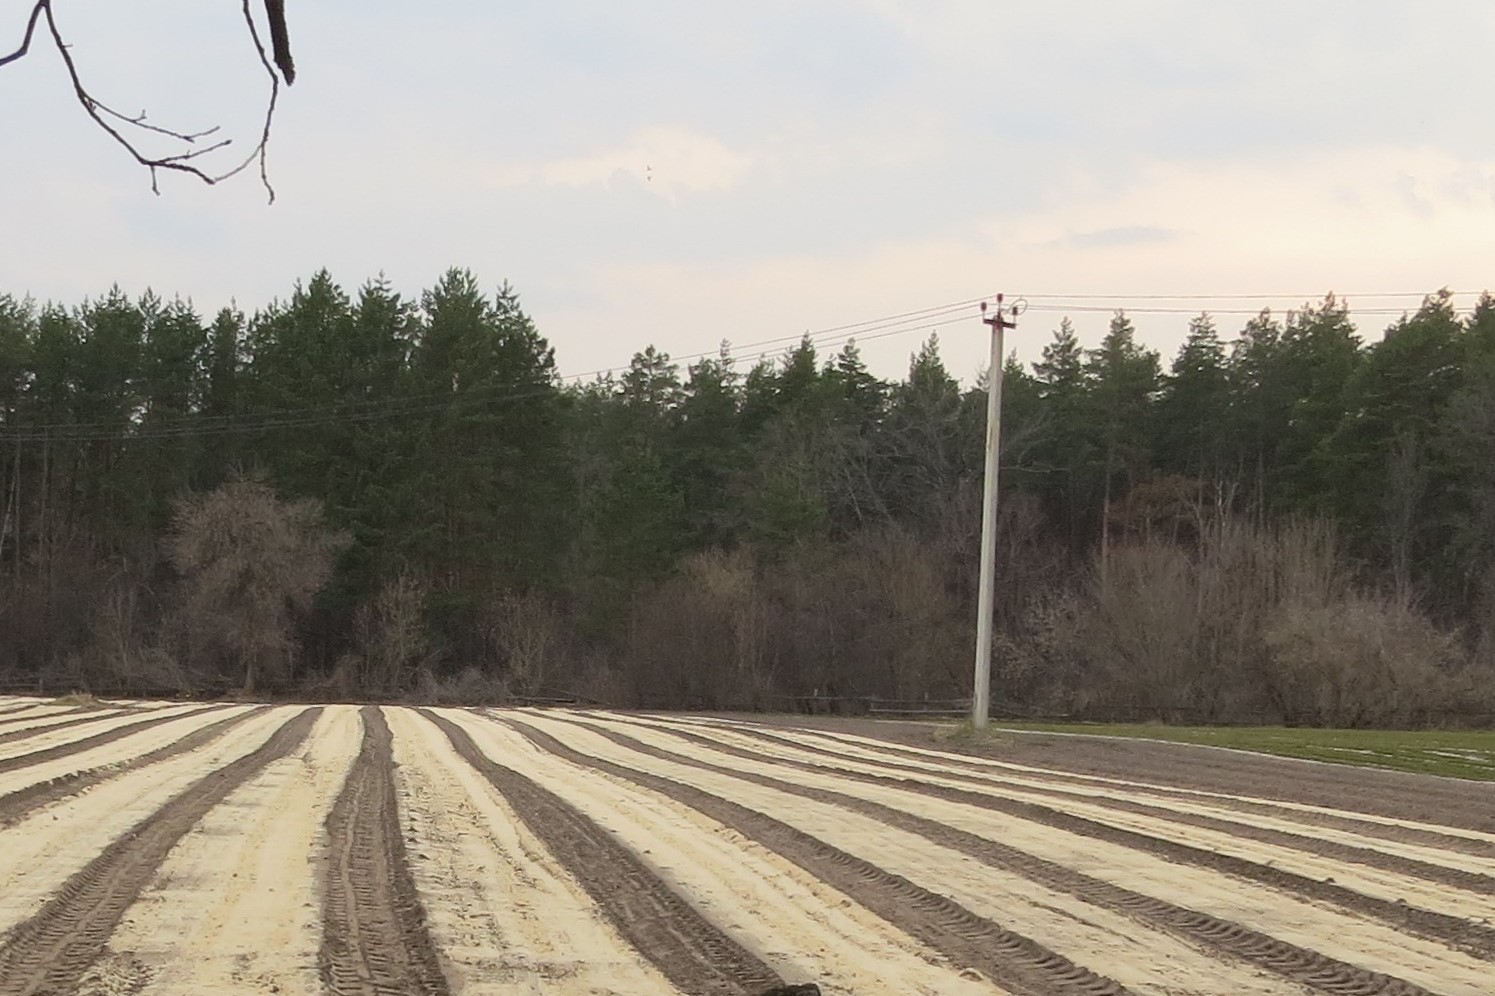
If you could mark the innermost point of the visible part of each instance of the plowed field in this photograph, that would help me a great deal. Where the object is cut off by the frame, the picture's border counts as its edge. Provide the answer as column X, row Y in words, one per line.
column 190, row 849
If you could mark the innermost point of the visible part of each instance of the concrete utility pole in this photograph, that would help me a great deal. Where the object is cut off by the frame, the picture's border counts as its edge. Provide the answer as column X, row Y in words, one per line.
column 981, row 701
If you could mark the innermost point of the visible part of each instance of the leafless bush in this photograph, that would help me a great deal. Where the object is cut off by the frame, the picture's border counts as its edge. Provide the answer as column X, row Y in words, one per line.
column 528, row 632
column 1142, row 612
column 695, row 640
column 247, row 560
column 125, row 652
column 1363, row 660
column 1035, row 662
column 1254, row 624
column 391, row 637
column 468, row 687
column 879, row 615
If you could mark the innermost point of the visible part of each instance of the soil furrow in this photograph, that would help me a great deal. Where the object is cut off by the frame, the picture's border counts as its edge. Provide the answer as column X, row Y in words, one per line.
column 18, row 804
column 1296, row 963
column 686, row 947
column 1356, row 789
column 1016, row 963
column 50, row 952
column 1256, row 807
column 92, row 707
column 98, row 739
column 1470, row 936
column 1396, row 863
column 374, row 937
column 1335, row 850
column 94, row 715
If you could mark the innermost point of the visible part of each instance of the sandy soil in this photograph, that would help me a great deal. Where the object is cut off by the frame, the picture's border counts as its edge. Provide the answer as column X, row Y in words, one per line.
column 235, row 906
column 38, row 854
column 504, row 918
column 560, row 853
column 1144, row 960
column 802, row 929
column 60, row 731
column 20, row 711
column 1393, row 887
column 104, row 755
column 1339, row 935
column 1400, row 795
column 938, row 760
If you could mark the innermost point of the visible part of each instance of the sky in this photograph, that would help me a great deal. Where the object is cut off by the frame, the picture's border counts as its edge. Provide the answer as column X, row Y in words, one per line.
column 680, row 173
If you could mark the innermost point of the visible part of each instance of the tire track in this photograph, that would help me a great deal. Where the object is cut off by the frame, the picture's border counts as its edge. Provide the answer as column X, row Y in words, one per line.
column 1299, row 813
column 505, row 916
column 795, row 923
column 1428, row 871
column 35, row 731
column 1018, row 964
column 1472, row 937
column 374, row 938
column 1299, row 964
column 17, row 805
column 8, row 764
column 61, row 711
column 50, row 952
column 686, row 947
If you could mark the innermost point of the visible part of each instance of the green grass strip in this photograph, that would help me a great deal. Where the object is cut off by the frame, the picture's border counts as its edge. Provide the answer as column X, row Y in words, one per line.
column 1455, row 753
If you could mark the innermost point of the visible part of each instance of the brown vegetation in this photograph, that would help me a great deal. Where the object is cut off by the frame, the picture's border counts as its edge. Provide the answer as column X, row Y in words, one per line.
column 248, row 560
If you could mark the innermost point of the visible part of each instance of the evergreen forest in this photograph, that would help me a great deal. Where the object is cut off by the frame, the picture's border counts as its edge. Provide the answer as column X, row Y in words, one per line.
column 359, row 495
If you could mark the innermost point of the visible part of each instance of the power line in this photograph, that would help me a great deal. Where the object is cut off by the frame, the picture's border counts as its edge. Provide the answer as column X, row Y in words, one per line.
column 1101, row 309
column 1233, row 297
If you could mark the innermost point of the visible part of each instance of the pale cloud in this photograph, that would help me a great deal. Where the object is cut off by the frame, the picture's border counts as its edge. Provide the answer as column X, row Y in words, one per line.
column 687, row 172
column 668, row 160
column 1333, row 222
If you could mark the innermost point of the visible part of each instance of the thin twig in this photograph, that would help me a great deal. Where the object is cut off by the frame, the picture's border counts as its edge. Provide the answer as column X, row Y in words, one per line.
column 270, row 107
column 140, row 122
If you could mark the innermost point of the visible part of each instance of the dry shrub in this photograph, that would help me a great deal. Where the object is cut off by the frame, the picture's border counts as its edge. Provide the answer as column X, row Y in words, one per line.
column 528, row 632
column 1256, row 625
column 1142, row 612
column 1035, row 661
column 468, row 687
column 601, row 682
column 697, row 639
column 905, row 624
column 1362, row 660
column 390, row 635
column 247, row 559
column 880, row 615
column 125, row 651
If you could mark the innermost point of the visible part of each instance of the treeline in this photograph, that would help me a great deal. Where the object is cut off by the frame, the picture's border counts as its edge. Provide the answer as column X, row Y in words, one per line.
column 369, row 496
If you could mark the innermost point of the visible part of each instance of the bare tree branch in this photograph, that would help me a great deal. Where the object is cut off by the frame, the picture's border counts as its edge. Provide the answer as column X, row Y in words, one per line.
column 182, row 162
column 275, row 13
column 36, row 12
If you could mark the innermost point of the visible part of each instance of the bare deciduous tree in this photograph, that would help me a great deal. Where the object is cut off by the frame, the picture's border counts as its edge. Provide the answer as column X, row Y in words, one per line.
column 120, row 126
column 247, row 559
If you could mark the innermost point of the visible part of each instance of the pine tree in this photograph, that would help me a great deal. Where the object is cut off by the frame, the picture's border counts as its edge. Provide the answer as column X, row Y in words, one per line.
column 1194, row 406
column 1126, row 380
